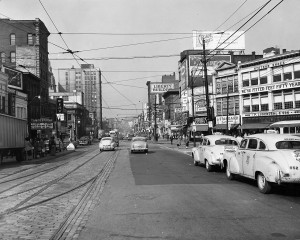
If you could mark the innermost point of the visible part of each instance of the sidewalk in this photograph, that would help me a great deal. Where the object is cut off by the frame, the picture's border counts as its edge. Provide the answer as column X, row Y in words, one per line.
column 182, row 148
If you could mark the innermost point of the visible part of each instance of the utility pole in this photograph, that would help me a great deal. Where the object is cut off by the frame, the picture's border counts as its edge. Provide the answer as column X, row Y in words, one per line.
column 227, row 98
column 206, row 87
column 193, row 109
column 100, row 89
column 155, row 138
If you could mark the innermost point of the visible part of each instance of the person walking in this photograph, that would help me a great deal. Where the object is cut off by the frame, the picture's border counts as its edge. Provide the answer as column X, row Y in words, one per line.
column 171, row 139
column 179, row 141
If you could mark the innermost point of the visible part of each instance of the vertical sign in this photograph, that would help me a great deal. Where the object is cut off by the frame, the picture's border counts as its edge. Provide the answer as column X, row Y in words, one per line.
column 59, row 105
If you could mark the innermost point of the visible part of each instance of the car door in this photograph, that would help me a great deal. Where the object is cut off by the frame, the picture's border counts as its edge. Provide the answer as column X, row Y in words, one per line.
column 240, row 155
column 202, row 149
column 249, row 157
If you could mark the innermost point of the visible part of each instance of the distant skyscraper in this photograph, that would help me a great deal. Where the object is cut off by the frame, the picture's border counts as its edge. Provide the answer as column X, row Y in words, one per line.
column 86, row 79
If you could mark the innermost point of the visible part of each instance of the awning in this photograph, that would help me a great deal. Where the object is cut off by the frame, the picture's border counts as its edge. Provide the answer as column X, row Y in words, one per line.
column 224, row 126
column 254, row 126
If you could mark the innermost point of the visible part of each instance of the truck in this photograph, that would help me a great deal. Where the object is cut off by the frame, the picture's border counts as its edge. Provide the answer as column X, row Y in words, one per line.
column 13, row 132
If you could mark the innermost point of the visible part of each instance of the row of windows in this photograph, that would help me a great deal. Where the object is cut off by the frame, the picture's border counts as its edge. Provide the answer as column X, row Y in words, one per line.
column 13, row 39
column 233, row 106
column 282, row 73
column 227, row 85
column 12, row 57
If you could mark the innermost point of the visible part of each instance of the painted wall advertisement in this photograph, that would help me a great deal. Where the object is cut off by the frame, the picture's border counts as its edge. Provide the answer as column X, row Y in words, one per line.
column 15, row 79
column 271, row 87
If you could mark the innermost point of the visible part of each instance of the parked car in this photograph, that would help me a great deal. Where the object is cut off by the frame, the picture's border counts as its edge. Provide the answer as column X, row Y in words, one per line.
column 267, row 158
column 139, row 144
column 211, row 149
column 107, row 143
column 85, row 140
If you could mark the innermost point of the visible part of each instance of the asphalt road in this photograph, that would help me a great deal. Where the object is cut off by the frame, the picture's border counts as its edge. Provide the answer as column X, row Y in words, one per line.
column 162, row 195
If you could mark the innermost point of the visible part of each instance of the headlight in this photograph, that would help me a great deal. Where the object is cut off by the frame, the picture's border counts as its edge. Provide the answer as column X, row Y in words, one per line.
column 101, row 145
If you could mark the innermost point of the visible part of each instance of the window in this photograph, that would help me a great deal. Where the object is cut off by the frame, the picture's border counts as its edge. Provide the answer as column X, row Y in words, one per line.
column 254, row 78
column 287, row 72
column 245, row 79
column 255, row 104
column 246, row 105
column 262, row 146
column 236, row 84
column 288, row 101
column 264, row 103
column 30, row 39
column 277, row 102
column 297, row 71
column 263, row 79
column 243, row 143
column 2, row 57
column 12, row 57
column 252, row 144
column 297, row 99
column 277, row 74
column 12, row 39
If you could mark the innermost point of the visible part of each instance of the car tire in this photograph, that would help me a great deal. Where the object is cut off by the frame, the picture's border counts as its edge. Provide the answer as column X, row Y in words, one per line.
column 208, row 166
column 196, row 163
column 146, row 151
column 263, row 185
column 229, row 175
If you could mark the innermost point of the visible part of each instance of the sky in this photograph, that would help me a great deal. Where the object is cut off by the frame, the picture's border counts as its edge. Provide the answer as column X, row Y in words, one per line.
column 135, row 41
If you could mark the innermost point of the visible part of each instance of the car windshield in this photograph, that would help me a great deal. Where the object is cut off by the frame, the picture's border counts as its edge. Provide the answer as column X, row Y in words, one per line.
column 225, row 142
column 288, row 145
column 106, row 140
column 139, row 139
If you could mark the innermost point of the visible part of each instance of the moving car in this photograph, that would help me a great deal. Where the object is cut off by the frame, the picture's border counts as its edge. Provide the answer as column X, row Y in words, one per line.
column 107, row 143
column 267, row 158
column 139, row 144
column 85, row 140
column 211, row 149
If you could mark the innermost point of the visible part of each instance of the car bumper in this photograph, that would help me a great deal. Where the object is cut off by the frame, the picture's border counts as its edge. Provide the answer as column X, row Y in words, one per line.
column 139, row 149
column 107, row 148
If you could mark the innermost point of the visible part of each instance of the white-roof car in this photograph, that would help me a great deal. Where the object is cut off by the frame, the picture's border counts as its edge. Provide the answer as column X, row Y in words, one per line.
column 139, row 144
column 211, row 149
column 107, row 143
column 267, row 158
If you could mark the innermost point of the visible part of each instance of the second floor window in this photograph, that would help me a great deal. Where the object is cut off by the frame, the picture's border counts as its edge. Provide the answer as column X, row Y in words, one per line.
column 12, row 39
column 13, row 57
column 30, row 39
column 2, row 57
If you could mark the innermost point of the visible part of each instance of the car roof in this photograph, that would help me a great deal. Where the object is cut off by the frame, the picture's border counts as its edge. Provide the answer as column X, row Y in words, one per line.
column 139, row 138
column 213, row 138
column 272, row 138
column 106, row 138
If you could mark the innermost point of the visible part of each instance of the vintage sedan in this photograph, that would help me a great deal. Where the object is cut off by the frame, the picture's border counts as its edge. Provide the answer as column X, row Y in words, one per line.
column 139, row 144
column 211, row 149
column 85, row 140
column 107, row 143
column 267, row 158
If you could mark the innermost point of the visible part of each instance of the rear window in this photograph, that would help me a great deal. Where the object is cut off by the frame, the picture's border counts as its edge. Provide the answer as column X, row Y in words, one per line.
column 288, row 145
column 139, row 139
column 225, row 142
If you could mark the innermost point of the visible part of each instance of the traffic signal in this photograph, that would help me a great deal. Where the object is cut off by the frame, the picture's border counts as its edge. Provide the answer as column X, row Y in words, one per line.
column 59, row 105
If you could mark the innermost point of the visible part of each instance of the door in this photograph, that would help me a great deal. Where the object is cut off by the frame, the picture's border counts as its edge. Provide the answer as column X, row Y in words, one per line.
column 240, row 156
column 202, row 149
column 249, row 157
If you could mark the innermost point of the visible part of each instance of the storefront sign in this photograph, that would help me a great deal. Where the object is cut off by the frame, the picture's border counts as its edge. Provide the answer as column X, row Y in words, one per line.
column 160, row 87
column 274, row 86
column 41, row 125
column 283, row 112
column 234, row 119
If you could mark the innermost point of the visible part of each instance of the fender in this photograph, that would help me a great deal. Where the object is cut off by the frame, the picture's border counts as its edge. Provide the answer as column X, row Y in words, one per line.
column 270, row 169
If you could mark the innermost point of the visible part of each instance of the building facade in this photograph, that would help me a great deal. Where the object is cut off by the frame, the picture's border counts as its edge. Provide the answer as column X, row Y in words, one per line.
column 86, row 79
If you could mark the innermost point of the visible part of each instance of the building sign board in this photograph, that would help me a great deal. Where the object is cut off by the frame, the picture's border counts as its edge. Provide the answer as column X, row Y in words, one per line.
column 228, row 40
column 161, row 87
column 232, row 119
column 15, row 79
column 273, row 113
column 271, row 87
column 42, row 123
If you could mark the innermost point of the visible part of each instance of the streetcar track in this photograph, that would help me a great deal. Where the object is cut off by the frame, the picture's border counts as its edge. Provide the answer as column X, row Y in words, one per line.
column 46, row 186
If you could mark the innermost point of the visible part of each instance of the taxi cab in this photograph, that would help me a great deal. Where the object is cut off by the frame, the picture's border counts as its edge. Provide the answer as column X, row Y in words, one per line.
column 267, row 158
column 211, row 149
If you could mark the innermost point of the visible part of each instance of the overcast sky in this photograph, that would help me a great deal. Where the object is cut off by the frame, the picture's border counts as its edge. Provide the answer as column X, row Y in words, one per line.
column 147, row 28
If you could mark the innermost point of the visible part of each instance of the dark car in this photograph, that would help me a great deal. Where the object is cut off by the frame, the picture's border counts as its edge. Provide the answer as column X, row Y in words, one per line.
column 85, row 140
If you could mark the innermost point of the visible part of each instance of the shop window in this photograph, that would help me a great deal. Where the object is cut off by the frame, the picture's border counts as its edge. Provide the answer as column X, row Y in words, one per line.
column 12, row 39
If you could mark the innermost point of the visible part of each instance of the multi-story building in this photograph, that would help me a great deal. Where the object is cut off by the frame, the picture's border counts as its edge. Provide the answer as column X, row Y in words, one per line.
column 24, row 45
column 270, row 90
column 86, row 79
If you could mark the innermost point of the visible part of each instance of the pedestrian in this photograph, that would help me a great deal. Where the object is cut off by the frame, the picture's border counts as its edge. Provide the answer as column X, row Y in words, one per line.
column 179, row 141
column 186, row 142
column 28, row 148
column 171, row 139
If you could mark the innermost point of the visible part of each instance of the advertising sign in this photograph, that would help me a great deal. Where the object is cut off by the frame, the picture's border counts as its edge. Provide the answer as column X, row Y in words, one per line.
column 161, row 87
column 15, row 79
column 216, row 40
column 59, row 105
column 232, row 119
column 42, row 123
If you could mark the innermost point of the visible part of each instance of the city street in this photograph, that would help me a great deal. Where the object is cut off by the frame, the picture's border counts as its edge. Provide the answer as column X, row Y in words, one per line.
column 119, row 195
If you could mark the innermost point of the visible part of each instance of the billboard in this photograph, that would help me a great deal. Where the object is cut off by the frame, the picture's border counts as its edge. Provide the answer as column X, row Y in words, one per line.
column 15, row 79
column 161, row 87
column 214, row 40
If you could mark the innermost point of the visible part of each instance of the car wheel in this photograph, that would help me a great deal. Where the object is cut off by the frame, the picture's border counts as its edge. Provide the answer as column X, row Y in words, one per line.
column 208, row 166
column 146, row 151
column 263, row 185
column 229, row 175
column 196, row 163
